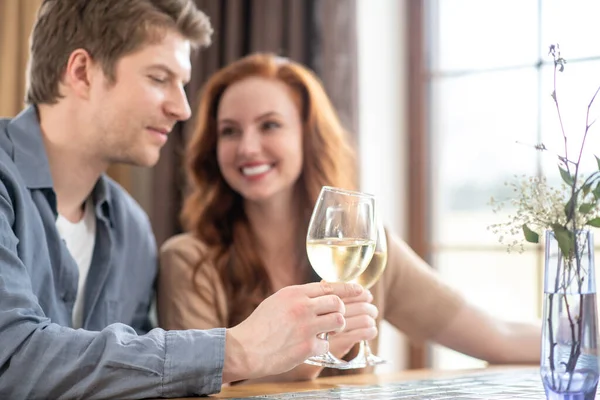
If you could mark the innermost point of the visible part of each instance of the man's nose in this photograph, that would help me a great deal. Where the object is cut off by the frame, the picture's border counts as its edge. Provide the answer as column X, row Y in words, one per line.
column 178, row 105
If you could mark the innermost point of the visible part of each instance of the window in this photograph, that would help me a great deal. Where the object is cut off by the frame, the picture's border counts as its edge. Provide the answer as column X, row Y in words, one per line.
column 489, row 84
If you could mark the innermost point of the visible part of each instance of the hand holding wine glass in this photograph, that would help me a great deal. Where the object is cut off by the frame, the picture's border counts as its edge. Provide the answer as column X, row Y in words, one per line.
column 340, row 243
column 289, row 322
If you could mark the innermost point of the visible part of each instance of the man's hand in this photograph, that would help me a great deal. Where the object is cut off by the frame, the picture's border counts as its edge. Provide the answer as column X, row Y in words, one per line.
column 282, row 332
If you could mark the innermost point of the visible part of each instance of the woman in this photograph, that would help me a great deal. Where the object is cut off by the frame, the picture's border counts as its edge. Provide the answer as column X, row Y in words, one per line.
column 267, row 139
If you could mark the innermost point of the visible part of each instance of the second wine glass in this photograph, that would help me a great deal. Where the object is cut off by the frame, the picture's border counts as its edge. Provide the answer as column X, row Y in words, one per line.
column 367, row 279
column 340, row 243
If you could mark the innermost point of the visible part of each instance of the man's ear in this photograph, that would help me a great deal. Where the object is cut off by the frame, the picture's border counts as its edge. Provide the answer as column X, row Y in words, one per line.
column 79, row 73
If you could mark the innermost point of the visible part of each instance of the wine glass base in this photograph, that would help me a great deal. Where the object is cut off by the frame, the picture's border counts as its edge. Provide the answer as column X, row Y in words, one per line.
column 363, row 362
column 374, row 360
column 327, row 360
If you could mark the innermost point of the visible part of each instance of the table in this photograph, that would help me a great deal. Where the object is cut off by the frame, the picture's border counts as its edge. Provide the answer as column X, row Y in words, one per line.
column 241, row 391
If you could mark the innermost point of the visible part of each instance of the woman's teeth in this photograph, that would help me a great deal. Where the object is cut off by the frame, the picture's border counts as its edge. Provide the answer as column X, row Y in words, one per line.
column 257, row 170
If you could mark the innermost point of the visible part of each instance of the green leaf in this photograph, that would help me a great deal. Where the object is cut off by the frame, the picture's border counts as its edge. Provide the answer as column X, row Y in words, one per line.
column 596, row 192
column 586, row 188
column 569, row 211
column 566, row 176
column 585, row 208
column 595, row 222
column 564, row 237
column 598, row 162
column 530, row 235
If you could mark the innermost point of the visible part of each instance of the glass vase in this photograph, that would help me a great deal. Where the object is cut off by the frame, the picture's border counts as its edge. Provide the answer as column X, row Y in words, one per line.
column 569, row 361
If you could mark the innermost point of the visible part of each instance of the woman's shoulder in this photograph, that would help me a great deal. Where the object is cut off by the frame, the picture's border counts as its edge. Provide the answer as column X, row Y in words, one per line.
column 400, row 258
column 184, row 246
column 183, row 241
column 396, row 246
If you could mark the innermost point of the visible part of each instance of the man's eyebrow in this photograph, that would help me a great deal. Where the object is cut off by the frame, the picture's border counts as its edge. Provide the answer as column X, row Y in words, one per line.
column 168, row 71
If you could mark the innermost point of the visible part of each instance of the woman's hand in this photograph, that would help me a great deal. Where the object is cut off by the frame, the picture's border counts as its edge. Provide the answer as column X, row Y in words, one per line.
column 360, row 318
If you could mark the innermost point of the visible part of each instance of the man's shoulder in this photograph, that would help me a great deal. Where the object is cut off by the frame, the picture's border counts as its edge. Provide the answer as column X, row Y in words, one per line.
column 10, row 178
column 5, row 142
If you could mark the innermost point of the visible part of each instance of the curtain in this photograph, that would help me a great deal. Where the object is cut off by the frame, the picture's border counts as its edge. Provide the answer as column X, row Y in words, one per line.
column 16, row 20
column 321, row 34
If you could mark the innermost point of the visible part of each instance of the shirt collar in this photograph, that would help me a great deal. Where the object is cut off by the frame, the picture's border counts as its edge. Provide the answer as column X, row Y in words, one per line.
column 29, row 151
column 103, row 199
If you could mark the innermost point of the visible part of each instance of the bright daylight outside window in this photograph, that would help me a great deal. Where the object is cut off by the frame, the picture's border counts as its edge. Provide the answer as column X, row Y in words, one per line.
column 490, row 80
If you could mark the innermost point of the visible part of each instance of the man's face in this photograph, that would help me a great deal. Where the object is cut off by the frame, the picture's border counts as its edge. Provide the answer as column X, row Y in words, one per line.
column 132, row 117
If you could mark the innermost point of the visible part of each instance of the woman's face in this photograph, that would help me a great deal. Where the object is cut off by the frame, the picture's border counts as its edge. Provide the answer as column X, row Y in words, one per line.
column 259, row 146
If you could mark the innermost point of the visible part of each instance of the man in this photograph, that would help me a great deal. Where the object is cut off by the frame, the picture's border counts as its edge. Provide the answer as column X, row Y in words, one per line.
column 106, row 85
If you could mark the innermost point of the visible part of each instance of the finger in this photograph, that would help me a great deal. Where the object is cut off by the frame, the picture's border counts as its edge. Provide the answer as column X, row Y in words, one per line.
column 368, row 309
column 341, row 289
column 366, row 296
column 355, row 336
column 332, row 322
column 328, row 304
column 359, row 322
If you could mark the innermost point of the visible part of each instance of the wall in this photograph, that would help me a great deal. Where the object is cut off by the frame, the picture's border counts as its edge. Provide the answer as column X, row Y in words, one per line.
column 382, row 129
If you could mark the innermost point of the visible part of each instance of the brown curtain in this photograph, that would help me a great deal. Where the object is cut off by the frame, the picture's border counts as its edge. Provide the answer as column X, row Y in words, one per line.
column 16, row 20
column 318, row 33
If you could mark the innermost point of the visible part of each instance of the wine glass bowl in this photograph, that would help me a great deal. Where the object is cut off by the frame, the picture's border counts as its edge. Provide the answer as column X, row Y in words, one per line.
column 340, row 243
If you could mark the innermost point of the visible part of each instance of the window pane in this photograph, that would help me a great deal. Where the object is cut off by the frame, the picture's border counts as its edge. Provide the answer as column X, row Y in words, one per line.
column 477, row 121
column 572, row 24
column 505, row 285
column 473, row 34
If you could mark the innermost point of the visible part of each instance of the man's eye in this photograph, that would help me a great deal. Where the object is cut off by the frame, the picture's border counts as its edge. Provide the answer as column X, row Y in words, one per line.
column 157, row 79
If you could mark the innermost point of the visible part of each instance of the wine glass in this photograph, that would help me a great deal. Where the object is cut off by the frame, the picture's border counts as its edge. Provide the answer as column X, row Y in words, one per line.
column 367, row 279
column 340, row 243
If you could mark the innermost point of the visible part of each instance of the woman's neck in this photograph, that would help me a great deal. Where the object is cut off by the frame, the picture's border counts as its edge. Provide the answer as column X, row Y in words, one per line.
column 279, row 230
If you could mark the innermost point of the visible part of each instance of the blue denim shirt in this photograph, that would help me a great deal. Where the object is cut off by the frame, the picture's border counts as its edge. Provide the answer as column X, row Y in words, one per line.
column 41, row 356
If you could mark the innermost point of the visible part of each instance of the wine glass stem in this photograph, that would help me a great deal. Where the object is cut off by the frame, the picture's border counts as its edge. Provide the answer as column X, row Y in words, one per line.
column 364, row 349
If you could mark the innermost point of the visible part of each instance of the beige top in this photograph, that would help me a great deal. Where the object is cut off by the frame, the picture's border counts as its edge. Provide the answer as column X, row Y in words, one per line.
column 409, row 295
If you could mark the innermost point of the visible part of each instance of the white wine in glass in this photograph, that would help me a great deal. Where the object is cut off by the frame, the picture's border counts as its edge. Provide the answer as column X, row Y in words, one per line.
column 339, row 260
column 367, row 279
column 340, row 243
column 374, row 270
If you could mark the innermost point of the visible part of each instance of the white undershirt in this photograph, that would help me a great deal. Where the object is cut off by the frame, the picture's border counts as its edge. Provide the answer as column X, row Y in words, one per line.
column 80, row 238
